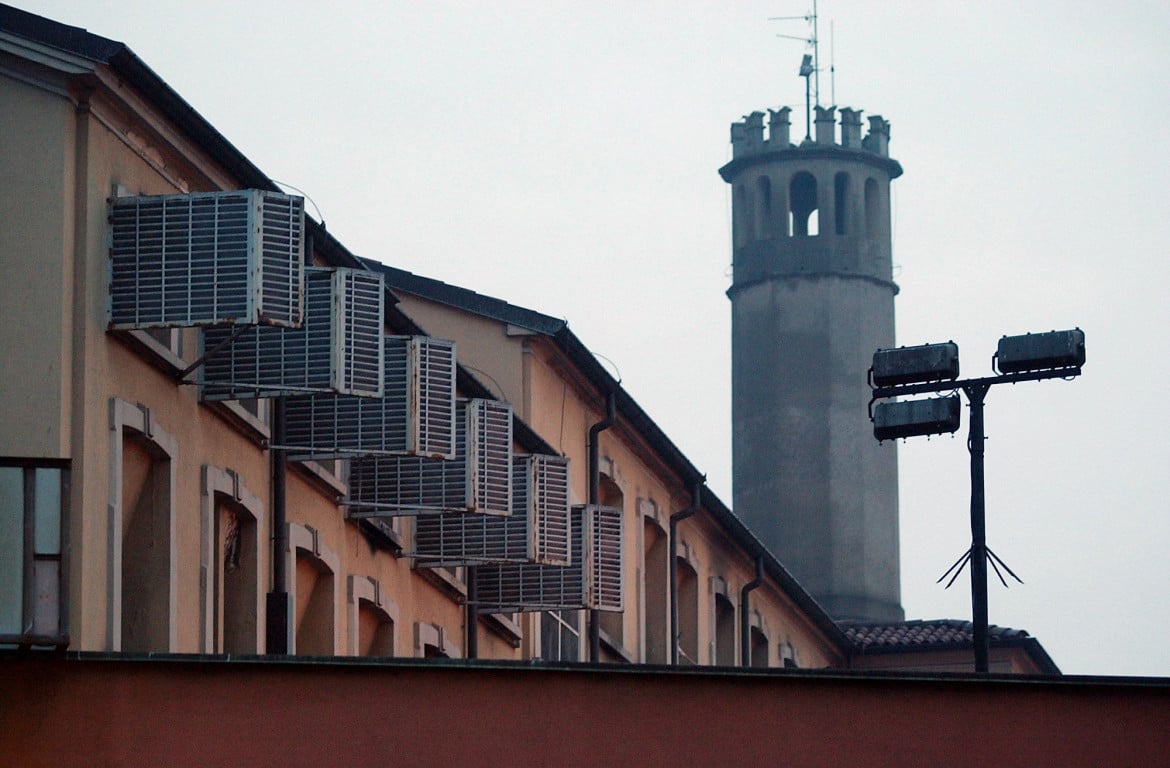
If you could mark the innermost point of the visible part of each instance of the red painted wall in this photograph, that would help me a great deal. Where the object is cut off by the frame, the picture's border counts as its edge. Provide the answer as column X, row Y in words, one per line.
column 93, row 711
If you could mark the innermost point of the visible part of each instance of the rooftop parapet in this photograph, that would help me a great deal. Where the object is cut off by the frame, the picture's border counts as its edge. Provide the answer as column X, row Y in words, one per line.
column 747, row 135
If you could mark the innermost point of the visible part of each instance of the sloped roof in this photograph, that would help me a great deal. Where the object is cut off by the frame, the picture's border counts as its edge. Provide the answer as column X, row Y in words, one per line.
column 940, row 635
column 467, row 299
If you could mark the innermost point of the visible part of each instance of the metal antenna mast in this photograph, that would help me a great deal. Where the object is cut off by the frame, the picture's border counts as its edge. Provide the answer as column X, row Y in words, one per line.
column 811, row 66
column 832, row 65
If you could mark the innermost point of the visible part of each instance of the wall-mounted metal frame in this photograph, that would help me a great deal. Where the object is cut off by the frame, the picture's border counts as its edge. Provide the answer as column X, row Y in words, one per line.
column 338, row 349
column 205, row 259
column 537, row 531
column 415, row 417
column 593, row 580
column 477, row 479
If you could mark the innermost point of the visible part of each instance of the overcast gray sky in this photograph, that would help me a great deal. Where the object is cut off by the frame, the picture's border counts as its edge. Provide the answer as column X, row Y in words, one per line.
column 563, row 156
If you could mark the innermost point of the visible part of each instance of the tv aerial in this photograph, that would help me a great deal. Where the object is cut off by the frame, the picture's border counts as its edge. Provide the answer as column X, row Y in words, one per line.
column 810, row 68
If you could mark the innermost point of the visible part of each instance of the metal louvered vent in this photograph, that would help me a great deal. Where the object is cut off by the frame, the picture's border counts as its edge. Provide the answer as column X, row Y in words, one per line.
column 389, row 486
column 591, row 580
column 416, row 417
column 489, row 446
column 208, row 258
column 338, row 349
column 537, row 531
column 604, row 558
column 432, row 397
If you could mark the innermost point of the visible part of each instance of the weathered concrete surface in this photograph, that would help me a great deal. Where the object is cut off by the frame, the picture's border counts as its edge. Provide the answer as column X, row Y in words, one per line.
column 812, row 298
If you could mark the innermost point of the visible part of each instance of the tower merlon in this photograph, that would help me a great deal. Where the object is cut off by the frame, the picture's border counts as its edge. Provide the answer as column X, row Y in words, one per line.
column 779, row 127
column 826, row 126
column 850, row 128
column 748, row 138
column 878, row 140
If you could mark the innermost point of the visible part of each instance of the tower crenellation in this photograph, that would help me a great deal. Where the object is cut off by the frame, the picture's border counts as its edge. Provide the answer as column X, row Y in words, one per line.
column 748, row 135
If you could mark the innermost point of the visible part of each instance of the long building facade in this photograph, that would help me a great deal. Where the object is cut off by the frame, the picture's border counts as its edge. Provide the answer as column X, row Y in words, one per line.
column 186, row 466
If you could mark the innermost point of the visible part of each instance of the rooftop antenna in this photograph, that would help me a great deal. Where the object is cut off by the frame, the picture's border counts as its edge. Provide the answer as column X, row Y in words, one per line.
column 809, row 40
column 810, row 68
column 832, row 66
column 806, row 69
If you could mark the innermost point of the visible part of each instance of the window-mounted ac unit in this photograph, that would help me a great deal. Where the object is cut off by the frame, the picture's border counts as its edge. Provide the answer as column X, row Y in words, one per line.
column 477, row 479
column 416, row 416
column 208, row 258
column 592, row 580
column 537, row 531
column 337, row 349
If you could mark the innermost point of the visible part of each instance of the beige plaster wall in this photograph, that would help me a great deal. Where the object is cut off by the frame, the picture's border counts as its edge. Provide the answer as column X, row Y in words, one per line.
column 35, row 259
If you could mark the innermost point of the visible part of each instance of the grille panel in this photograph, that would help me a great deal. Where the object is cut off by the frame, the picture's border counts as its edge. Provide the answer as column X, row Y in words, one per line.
column 338, row 348
column 335, row 426
column 592, row 579
column 537, row 531
column 209, row 258
column 388, row 486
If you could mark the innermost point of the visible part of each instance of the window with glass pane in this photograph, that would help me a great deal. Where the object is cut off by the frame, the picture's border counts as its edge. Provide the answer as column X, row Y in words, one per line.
column 33, row 499
column 560, row 635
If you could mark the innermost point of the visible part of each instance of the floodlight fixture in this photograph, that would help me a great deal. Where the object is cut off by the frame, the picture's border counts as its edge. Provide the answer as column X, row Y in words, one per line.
column 912, row 365
column 1041, row 351
column 806, row 67
column 911, row 418
column 935, row 368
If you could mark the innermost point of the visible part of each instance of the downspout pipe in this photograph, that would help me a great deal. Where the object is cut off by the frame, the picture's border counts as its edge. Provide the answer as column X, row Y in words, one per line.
column 595, row 498
column 472, row 618
column 745, row 614
column 277, row 608
column 675, row 519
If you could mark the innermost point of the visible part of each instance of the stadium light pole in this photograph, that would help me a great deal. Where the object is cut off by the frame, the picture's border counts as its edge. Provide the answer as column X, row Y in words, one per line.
column 934, row 368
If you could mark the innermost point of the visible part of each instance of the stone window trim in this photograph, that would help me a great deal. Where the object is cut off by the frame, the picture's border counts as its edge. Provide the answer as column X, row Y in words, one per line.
column 226, row 482
column 685, row 552
column 651, row 514
column 305, row 538
column 436, row 636
column 649, row 509
column 368, row 589
column 127, row 417
column 758, row 622
column 720, row 590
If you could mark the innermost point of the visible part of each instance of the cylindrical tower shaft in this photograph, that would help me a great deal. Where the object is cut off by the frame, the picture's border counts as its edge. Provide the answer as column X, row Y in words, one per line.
column 812, row 297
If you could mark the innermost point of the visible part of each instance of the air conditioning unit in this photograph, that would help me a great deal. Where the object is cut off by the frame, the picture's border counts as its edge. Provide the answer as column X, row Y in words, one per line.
column 415, row 417
column 537, row 531
column 477, row 479
column 592, row 580
column 338, row 348
column 205, row 259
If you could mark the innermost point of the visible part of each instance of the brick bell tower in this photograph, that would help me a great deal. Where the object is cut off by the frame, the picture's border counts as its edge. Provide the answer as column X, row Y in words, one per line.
column 812, row 297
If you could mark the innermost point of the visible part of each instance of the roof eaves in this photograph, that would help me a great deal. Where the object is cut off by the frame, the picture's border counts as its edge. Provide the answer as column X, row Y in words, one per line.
column 467, row 300
column 53, row 34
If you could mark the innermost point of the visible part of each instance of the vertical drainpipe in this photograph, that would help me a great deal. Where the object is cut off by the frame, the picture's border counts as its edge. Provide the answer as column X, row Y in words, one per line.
column 675, row 519
column 595, row 498
column 277, row 614
column 745, row 617
column 472, row 614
